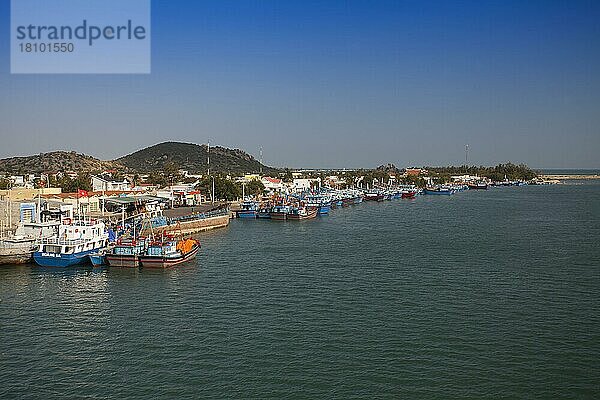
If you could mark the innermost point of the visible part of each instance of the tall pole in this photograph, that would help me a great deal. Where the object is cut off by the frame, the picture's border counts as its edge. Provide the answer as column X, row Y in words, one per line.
column 9, row 209
column 213, row 190
column 208, row 158
column 467, row 155
column 261, row 159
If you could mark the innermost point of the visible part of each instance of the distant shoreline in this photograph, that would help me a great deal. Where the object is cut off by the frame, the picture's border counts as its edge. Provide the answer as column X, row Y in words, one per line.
column 570, row 177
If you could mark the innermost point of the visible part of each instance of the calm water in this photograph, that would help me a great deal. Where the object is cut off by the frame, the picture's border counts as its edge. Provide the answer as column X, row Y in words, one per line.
column 486, row 294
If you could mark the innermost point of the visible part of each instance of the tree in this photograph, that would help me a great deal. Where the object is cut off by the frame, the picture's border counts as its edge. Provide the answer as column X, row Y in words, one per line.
column 287, row 175
column 171, row 172
column 4, row 183
column 255, row 187
column 225, row 189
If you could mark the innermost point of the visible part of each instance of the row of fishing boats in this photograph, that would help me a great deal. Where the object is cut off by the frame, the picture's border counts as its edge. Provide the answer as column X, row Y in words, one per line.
column 66, row 242
column 310, row 205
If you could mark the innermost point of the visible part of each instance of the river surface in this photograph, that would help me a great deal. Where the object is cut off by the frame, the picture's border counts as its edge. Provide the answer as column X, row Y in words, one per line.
column 484, row 294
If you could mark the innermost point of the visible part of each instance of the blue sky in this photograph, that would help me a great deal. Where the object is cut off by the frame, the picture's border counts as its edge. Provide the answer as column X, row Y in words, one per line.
column 334, row 84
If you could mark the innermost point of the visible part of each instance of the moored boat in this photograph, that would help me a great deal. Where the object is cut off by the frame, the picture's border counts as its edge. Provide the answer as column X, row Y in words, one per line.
column 279, row 212
column 264, row 213
column 72, row 246
column 438, row 191
column 126, row 253
column 374, row 196
column 302, row 212
column 322, row 203
column 478, row 186
column 168, row 253
column 249, row 209
column 409, row 194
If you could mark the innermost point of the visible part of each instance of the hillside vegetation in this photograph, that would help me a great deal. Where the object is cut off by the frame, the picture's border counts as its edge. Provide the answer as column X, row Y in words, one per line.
column 193, row 158
column 57, row 161
column 154, row 159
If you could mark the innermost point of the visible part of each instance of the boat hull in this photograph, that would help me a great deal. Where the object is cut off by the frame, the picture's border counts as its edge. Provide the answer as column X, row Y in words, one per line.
column 478, row 187
column 123, row 261
column 166, row 262
column 62, row 260
column 22, row 255
column 279, row 216
column 438, row 192
column 324, row 209
column 246, row 214
column 409, row 195
column 312, row 213
column 97, row 260
column 16, row 259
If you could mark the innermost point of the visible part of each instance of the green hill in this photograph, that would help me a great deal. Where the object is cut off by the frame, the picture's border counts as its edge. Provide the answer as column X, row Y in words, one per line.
column 193, row 158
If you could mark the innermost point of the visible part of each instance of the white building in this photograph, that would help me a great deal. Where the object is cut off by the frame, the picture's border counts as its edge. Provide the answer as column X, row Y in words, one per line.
column 104, row 185
column 273, row 184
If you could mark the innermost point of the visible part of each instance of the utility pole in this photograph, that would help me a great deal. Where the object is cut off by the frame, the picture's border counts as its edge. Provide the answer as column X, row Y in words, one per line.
column 213, row 190
column 467, row 155
column 261, row 159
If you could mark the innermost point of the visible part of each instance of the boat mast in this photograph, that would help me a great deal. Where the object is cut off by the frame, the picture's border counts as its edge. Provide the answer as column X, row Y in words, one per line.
column 9, row 212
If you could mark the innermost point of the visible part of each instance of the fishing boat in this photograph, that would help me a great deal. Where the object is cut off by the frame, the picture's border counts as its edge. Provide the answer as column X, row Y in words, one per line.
column 249, row 209
column 478, row 186
column 18, row 247
column 302, row 212
column 126, row 253
column 321, row 203
column 168, row 253
column 264, row 212
column 73, row 244
column 98, row 259
column 408, row 194
column 438, row 191
column 374, row 196
column 279, row 212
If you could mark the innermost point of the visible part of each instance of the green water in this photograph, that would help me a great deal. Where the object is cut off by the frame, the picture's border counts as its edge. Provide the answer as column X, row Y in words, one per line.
column 485, row 294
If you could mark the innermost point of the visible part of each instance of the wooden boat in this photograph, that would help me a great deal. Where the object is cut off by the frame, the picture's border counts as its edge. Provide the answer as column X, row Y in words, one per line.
column 478, row 186
column 168, row 253
column 126, row 254
column 279, row 212
column 374, row 196
column 16, row 250
column 410, row 194
column 301, row 213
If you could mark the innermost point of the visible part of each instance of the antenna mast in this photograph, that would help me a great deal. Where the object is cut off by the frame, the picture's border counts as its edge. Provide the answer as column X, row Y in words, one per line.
column 208, row 158
column 261, row 159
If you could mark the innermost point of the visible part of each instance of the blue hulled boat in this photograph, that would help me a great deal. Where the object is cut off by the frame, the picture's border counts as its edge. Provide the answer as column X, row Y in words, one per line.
column 72, row 246
column 249, row 210
column 322, row 203
column 438, row 191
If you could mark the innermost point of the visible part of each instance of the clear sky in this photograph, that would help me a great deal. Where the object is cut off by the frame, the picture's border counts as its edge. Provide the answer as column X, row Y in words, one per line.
column 334, row 84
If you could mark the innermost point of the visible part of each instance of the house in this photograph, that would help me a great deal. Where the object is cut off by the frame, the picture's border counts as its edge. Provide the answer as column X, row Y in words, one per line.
column 272, row 184
column 103, row 185
column 301, row 185
column 415, row 171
